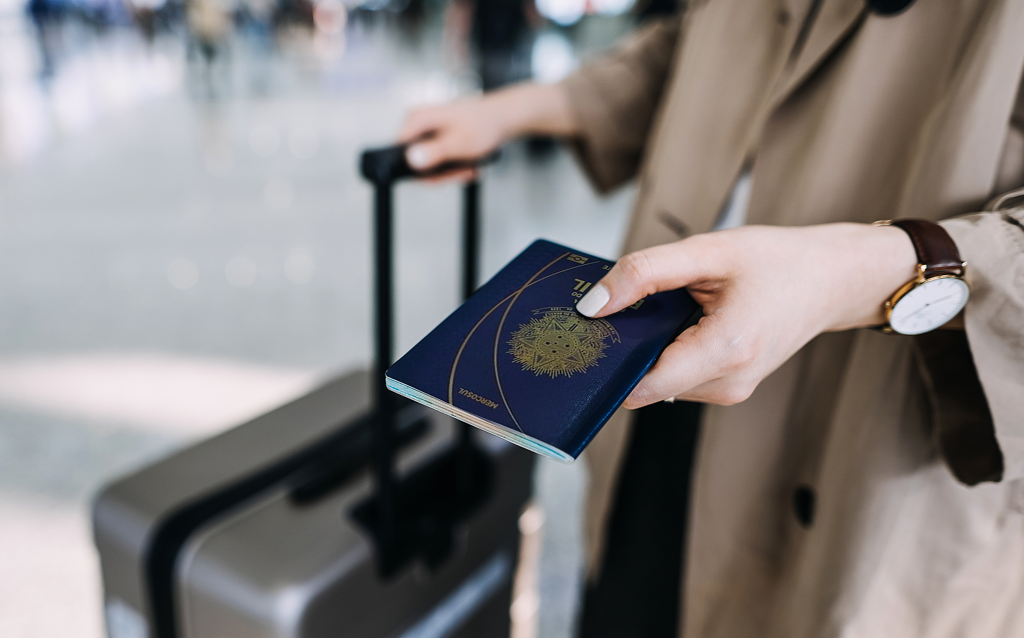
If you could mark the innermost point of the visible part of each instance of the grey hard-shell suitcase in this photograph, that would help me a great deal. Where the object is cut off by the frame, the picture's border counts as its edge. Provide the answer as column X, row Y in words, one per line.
column 347, row 512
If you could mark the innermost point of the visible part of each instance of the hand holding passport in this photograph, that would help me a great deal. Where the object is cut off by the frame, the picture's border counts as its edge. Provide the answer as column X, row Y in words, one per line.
column 519, row 361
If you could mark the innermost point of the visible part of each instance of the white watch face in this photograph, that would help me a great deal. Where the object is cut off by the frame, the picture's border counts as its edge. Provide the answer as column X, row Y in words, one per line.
column 929, row 305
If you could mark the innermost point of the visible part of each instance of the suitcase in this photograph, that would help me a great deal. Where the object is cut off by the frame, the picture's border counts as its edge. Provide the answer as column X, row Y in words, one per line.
column 347, row 512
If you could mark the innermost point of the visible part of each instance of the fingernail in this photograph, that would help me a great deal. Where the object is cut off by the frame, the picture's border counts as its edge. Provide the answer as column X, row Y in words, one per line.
column 593, row 301
column 417, row 156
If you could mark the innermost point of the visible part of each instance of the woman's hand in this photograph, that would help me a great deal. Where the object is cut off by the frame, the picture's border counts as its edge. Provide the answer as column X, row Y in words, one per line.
column 473, row 128
column 766, row 291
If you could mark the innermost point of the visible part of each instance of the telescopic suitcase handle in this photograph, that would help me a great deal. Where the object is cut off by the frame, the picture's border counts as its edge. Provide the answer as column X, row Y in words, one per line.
column 383, row 167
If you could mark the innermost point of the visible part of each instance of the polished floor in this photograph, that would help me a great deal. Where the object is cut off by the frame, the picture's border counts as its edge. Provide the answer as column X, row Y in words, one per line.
column 184, row 244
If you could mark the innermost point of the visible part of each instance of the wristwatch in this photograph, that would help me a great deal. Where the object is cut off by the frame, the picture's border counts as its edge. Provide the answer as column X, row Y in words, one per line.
column 939, row 292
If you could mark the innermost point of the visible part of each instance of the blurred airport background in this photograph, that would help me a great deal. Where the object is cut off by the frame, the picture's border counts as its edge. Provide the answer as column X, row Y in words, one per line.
column 184, row 240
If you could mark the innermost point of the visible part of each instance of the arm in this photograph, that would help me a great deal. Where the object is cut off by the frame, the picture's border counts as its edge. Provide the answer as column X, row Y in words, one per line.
column 766, row 291
column 606, row 108
column 472, row 128
column 614, row 100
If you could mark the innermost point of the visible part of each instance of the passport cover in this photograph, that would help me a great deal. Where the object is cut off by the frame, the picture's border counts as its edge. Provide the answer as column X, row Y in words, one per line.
column 517, row 359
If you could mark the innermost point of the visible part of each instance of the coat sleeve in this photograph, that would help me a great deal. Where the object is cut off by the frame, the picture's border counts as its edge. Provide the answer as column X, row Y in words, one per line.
column 992, row 244
column 614, row 99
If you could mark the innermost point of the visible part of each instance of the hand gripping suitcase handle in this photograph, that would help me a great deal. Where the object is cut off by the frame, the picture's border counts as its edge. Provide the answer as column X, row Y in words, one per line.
column 383, row 166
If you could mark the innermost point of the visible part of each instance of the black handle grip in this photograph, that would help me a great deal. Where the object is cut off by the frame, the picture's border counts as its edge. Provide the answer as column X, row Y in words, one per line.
column 388, row 164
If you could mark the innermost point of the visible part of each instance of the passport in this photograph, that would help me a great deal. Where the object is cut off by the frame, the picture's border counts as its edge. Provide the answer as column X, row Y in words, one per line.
column 517, row 360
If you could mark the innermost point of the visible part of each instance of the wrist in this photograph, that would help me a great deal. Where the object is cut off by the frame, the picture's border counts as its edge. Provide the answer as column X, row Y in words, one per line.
column 873, row 262
column 896, row 262
column 531, row 109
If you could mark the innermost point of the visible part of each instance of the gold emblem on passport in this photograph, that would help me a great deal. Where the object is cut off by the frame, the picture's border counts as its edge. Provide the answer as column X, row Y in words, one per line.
column 559, row 341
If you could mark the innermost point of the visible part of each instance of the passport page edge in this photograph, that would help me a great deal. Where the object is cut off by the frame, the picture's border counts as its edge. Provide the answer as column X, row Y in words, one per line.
column 512, row 436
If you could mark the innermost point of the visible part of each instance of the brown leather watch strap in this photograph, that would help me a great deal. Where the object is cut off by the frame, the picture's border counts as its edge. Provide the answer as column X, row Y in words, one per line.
column 935, row 248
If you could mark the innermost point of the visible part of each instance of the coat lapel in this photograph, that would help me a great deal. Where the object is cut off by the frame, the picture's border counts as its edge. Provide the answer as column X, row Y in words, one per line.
column 835, row 20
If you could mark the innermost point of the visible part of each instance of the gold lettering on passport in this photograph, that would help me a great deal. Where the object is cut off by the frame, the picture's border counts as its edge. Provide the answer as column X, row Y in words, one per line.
column 560, row 342
column 579, row 259
column 637, row 305
column 473, row 396
column 581, row 285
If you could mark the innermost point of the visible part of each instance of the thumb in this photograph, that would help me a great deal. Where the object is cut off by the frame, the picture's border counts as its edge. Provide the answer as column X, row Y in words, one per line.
column 645, row 272
column 429, row 153
column 424, row 155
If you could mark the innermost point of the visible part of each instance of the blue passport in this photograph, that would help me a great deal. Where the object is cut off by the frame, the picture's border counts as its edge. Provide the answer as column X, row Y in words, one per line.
column 517, row 359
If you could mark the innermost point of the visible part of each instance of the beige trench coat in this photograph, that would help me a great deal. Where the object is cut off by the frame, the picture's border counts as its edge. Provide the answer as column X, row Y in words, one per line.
column 918, row 470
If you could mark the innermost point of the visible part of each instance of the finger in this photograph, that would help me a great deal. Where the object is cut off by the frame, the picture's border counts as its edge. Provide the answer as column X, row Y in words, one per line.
column 708, row 354
column 423, row 156
column 645, row 272
column 420, row 123
column 686, row 363
column 721, row 391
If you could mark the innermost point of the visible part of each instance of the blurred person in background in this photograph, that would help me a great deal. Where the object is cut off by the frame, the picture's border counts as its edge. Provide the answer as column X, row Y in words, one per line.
column 293, row 14
column 500, row 36
column 256, row 19
column 153, row 16
column 144, row 14
column 847, row 482
column 46, row 16
column 209, row 27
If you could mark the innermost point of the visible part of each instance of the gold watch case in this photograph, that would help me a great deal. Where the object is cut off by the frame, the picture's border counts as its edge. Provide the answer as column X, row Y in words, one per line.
column 890, row 303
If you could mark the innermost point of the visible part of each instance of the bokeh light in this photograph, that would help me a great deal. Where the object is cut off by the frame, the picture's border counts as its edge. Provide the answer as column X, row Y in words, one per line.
column 330, row 16
column 563, row 12
column 552, row 57
column 182, row 273
column 612, row 7
column 264, row 140
column 277, row 194
column 299, row 267
column 303, row 142
column 240, row 272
